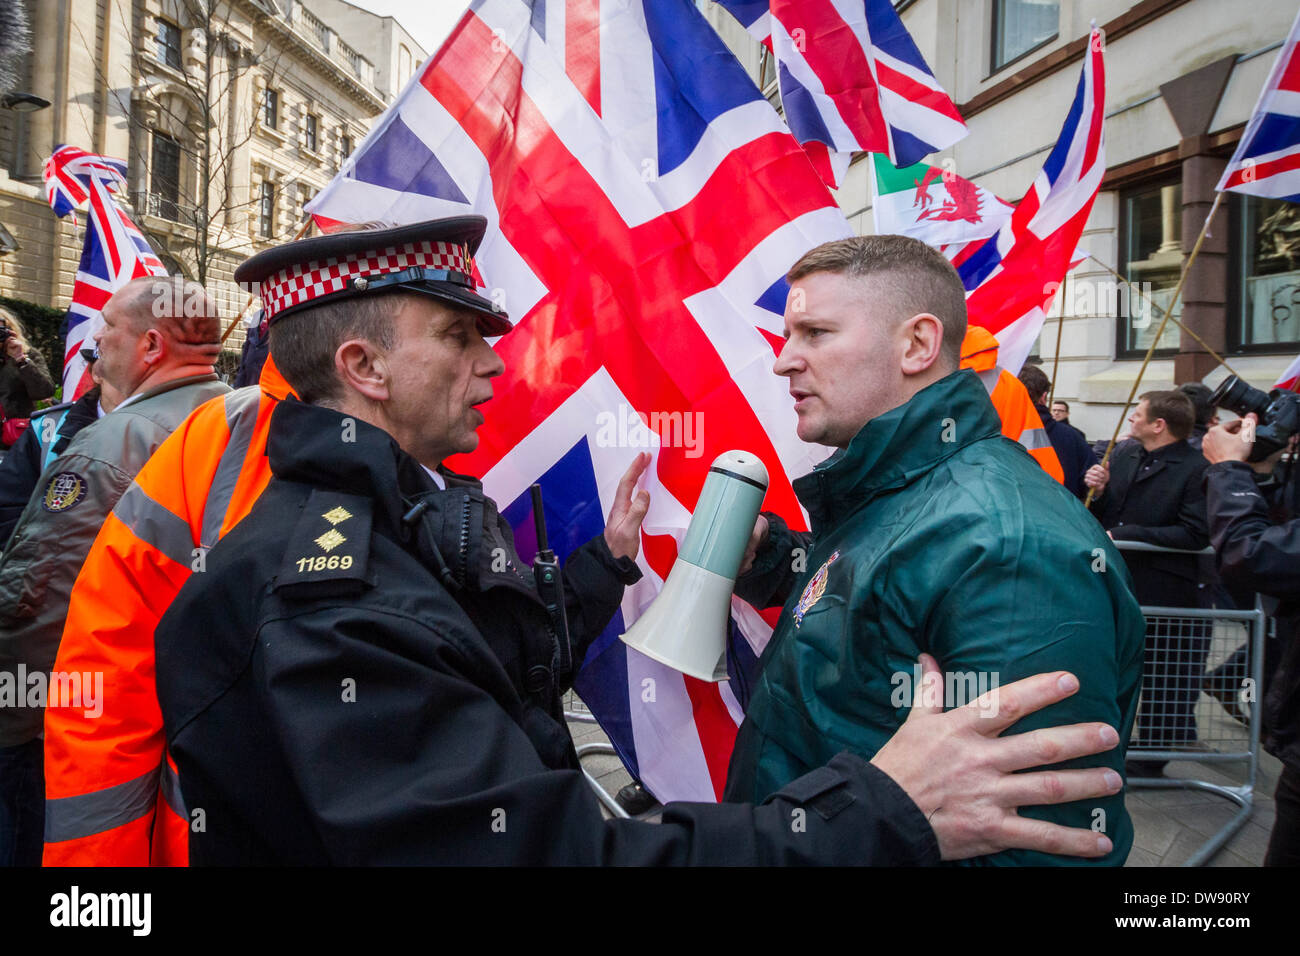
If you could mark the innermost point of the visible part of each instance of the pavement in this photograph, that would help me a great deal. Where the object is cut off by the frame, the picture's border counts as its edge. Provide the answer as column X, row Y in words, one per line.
column 1170, row 823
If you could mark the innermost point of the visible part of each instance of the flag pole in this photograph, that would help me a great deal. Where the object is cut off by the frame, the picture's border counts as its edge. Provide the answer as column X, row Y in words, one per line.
column 1133, row 286
column 1060, row 324
column 1173, row 304
column 302, row 231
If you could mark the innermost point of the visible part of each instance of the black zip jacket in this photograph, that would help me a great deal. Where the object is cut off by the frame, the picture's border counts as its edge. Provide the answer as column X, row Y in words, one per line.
column 1257, row 553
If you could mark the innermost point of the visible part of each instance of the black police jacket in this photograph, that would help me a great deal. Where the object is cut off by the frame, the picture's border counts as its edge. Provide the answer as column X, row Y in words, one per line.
column 329, row 699
column 1258, row 553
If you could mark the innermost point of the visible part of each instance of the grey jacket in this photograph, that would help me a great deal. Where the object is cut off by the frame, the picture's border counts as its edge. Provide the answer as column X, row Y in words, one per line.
column 54, row 534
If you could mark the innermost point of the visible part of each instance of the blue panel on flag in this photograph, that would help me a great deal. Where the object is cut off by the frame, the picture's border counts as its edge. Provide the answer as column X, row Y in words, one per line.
column 399, row 160
column 573, row 512
column 697, row 78
column 888, row 33
column 574, row 516
column 746, row 11
column 774, row 298
column 742, row 665
column 1276, row 132
column 979, row 264
column 1061, row 151
column 908, row 148
column 538, row 18
column 801, row 110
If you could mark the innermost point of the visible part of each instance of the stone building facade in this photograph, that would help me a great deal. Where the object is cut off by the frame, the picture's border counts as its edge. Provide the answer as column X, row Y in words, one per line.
column 231, row 114
column 1182, row 77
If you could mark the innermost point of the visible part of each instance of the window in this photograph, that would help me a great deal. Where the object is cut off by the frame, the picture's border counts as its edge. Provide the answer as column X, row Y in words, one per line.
column 403, row 65
column 169, row 44
column 1268, row 292
column 309, row 134
column 345, row 147
column 766, row 70
column 165, row 176
column 1021, row 25
column 271, row 109
column 1151, row 250
column 266, row 209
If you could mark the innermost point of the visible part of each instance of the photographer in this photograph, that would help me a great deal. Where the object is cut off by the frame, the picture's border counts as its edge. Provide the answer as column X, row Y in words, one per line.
column 1259, row 548
column 24, row 378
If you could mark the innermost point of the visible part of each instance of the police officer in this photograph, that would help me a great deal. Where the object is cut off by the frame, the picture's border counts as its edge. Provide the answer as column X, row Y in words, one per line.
column 390, row 694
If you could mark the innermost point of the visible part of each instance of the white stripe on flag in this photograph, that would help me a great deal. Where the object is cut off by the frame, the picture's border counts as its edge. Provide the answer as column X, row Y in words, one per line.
column 919, row 120
column 626, row 59
column 556, row 21
column 728, row 132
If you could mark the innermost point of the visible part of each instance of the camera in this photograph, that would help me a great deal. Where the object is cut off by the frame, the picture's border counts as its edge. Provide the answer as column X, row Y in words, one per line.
column 1278, row 412
column 5, row 332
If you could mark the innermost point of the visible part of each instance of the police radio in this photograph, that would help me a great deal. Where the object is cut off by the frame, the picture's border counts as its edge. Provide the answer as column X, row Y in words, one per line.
column 550, row 586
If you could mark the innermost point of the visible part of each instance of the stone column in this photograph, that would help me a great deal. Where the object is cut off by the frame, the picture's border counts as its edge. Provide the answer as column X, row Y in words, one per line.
column 1204, row 309
column 1192, row 99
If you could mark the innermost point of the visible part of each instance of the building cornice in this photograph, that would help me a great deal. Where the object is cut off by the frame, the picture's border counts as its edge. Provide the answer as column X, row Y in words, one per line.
column 315, row 58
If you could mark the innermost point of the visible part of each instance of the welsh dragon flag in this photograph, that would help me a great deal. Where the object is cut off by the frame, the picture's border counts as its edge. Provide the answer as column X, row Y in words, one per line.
column 935, row 205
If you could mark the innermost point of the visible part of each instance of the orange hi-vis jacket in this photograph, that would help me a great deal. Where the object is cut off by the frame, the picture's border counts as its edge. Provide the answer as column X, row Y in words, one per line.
column 112, row 797
column 1020, row 420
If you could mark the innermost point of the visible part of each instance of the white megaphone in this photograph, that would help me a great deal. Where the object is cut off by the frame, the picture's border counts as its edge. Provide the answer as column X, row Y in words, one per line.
column 685, row 627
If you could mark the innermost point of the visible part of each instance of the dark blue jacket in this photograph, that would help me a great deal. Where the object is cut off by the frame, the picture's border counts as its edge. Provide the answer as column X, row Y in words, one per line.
column 1072, row 449
column 49, row 434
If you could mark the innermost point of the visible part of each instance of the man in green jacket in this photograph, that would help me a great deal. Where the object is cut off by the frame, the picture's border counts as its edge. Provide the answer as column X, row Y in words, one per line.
column 931, row 533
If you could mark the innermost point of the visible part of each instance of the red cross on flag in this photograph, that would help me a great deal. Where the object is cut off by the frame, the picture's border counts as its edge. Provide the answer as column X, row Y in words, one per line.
column 644, row 202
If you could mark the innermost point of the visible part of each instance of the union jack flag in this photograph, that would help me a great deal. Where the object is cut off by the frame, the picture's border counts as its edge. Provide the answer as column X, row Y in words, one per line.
column 644, row 202
column 67, row 174
column 1267, row 160
column 1013, row 277
column 851, row 79
column 114, row 253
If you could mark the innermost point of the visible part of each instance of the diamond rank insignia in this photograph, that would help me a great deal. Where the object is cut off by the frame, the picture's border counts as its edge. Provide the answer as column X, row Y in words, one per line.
column 336, row 516
column 330, row 540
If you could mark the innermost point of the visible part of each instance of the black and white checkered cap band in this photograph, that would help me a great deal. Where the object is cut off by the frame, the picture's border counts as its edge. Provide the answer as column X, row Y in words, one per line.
column 312, row 280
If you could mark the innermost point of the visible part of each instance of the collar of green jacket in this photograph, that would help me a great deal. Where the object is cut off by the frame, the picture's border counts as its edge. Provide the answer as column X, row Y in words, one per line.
column 894, row 449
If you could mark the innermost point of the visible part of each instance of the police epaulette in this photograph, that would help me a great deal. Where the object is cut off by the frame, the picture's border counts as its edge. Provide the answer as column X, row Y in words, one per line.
column 329, row 547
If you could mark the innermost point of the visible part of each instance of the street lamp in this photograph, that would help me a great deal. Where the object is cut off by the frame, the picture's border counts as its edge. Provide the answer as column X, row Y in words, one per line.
column 23, row 102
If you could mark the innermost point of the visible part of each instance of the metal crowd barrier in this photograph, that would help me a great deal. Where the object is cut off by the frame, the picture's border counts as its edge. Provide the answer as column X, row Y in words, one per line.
column 1183, row 714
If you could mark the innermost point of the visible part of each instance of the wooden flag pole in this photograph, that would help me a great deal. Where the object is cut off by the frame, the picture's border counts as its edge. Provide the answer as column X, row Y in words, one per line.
column 1060, row 324
column 1134, row 287
column 302, row 231
column 1178, row 293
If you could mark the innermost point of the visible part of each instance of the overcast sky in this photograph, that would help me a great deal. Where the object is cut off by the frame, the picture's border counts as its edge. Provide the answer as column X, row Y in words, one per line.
column 429, row 21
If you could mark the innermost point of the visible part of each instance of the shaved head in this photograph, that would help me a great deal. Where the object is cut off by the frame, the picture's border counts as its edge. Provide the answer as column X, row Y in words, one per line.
column 157, row 328
column 179, row 308
column 899, row 277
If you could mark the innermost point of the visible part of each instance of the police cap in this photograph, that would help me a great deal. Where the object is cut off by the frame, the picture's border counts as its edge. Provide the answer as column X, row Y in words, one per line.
column 433, row 258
